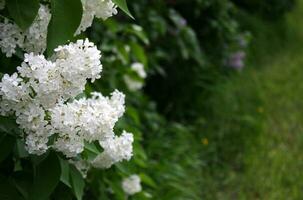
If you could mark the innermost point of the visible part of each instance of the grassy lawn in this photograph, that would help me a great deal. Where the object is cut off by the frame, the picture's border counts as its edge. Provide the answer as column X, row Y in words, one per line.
column 274, row 163
column 259, row 123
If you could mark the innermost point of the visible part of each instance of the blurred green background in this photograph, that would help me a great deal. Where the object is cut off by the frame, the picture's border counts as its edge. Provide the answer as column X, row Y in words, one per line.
column 212, row 130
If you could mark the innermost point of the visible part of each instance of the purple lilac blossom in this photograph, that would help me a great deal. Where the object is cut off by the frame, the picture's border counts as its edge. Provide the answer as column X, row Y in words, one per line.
column 236, row 60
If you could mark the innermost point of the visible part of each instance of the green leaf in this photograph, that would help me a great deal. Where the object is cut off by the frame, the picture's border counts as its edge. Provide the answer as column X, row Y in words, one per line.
column 62, row 192
column 139, row 53
column 8, row 125
column 23, row 11
column 65, row 170
column 92, row 148
column 134, row 115
column 8, row 191
column 148, row 180
column 115, row 185
column 123, row 6
column 90, row 151
column 138, row 31
column 46, row 178
column 22, row 181
column 66, row 17
column 77, row 182
column 37, row 159
column 7, row 143
column 123, row 54
column 20, row 149
column 122, row 168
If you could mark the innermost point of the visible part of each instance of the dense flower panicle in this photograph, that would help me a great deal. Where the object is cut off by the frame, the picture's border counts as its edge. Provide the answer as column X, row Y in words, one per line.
column 95, row 8
column 87, row 17
column 86, row 120
column 132, row 185
column 116, row 149
column 11, row 36
column 36, row 144
column 105, row 9
column 65, row 77
column 41, row 96
column 35, row 36
column 12, row 88
column 14, row 94
column 43, row 77
column 32, row 40
column 79, row 61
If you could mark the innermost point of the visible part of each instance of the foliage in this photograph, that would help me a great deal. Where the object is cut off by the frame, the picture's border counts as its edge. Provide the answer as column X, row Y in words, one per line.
column 271, row 10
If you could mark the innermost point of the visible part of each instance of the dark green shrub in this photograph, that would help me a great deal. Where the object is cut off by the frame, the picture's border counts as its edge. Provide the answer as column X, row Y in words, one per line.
column 269, row 9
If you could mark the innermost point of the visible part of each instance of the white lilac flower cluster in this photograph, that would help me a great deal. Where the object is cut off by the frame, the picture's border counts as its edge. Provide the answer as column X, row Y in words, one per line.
column 35, row 35
column 10, row 37
column 135, row 84
column 32, row 40
column 95, row 8
column 116, row 149
column 42, row 94
column 132, row 185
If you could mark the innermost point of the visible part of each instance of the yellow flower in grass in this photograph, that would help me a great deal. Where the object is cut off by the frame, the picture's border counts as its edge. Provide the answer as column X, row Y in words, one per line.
column 204, row 141
column 260, row 109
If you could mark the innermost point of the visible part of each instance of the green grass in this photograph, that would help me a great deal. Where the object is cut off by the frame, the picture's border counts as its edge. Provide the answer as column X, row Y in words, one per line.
column 258, row 122
column 274, row 164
